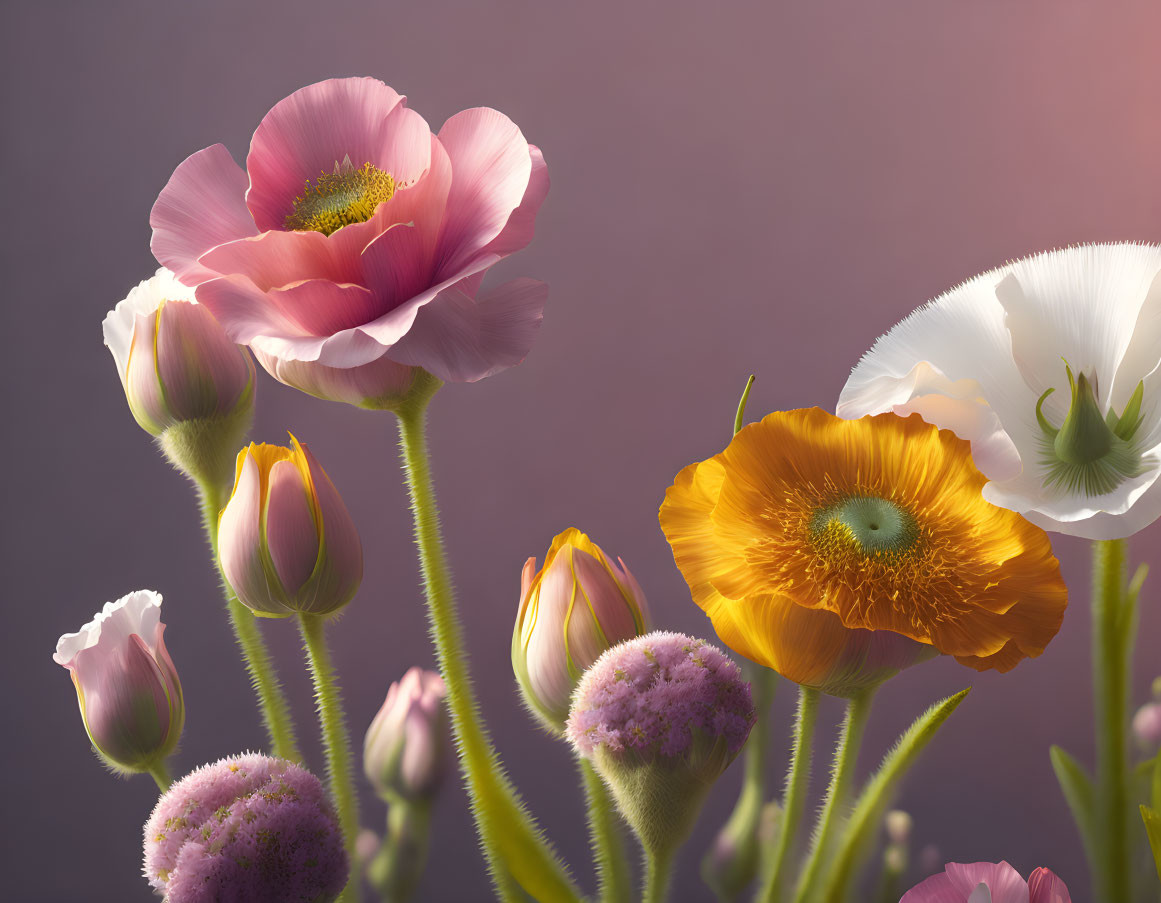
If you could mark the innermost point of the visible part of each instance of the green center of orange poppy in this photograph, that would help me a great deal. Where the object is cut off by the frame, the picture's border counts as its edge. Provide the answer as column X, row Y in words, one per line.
column 865, row 525
column 340, row 198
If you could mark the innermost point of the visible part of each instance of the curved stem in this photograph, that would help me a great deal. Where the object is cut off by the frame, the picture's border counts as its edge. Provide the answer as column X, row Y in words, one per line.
column 613, row 877
column 871, row 803
column 264, row 679
column 1112, row 650
column 846, row 756
column 658, row 870
column 334, row 733
column 160, row 775
column 512, row 844
column 797, row 784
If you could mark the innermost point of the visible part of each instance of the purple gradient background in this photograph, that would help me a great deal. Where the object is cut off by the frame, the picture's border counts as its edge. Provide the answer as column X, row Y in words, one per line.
column 736, row 188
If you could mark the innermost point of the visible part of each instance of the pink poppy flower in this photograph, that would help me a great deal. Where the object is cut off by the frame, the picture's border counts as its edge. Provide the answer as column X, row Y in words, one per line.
column 988, row 882
column 352, row 247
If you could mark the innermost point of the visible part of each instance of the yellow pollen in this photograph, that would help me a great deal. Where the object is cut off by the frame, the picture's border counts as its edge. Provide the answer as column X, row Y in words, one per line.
column 340, row 198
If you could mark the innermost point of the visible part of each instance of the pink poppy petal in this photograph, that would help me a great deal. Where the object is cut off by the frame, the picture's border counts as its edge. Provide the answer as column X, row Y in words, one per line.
column 936, row 889
column 275, row 259
column 394, row 324
column 352, row 347
column 1045, row 887
column 395, row 267
column 405, row 152
column 202, row 205
column 309, row 132
column 244, row 311
column 291, row 532
column 491, row 168
column 521, row 225
column 421, row 206
column 1002, row 880
column 460, row 339
column 380, row 382
column 321, row 307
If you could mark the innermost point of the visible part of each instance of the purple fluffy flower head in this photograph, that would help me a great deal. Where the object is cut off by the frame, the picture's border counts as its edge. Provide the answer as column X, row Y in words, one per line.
column 662, row 697
column 660, row 717
column 245, row 828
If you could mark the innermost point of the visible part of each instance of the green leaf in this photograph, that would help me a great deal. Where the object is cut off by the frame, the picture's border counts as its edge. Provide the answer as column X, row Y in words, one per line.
column 869, row 808
column 1127, row 620
column 1153, row 829
column 1076, row 785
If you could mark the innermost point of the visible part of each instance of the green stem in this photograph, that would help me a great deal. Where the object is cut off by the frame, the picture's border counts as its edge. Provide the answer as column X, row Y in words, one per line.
column 869, row 808
column 264, row 679
column 613, row 875
column 658, row 871
column 513, row 846
column 160, row 775
column 797, row 785
column 334, row 734
column 1112, row 656
column 845, row 761
column 397, row 868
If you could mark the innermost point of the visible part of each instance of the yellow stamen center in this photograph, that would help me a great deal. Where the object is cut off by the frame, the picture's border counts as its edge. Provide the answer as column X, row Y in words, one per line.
column 340, row 198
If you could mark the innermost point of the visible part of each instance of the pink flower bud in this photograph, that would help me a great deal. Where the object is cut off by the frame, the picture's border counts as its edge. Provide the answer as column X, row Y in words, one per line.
column 129, row 693
column 1147, row 727
column 175, row 362
column 285, row 539
column 571, row 610
column 406, row 751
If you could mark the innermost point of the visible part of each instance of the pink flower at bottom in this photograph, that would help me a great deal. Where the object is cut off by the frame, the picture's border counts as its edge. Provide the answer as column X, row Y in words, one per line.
column 351, row 249
column 988, row 882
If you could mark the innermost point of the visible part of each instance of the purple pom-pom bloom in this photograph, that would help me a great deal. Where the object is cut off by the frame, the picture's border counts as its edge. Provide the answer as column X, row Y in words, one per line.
column 657, row 696
column 246, row 828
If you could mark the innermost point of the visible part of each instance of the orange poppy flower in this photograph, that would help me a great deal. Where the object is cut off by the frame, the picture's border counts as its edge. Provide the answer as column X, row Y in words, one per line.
column 839, row 551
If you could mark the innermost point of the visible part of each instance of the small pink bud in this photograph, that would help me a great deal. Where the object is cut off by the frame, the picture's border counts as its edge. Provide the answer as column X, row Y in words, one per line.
column 407, row 748
column 127, row 687
column 571, row 610
column 285, row 539
column 175, row 362
column 1147, row 727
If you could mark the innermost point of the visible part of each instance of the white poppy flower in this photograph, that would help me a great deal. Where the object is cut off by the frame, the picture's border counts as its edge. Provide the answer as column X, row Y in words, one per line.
column 1051, row 367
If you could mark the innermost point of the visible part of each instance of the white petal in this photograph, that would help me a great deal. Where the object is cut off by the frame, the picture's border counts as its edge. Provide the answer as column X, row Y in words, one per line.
column 977, row 359
column 139, row 613
column 950, row 362
column 142, row 300
column 1079, row 305
column 1131, row 507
